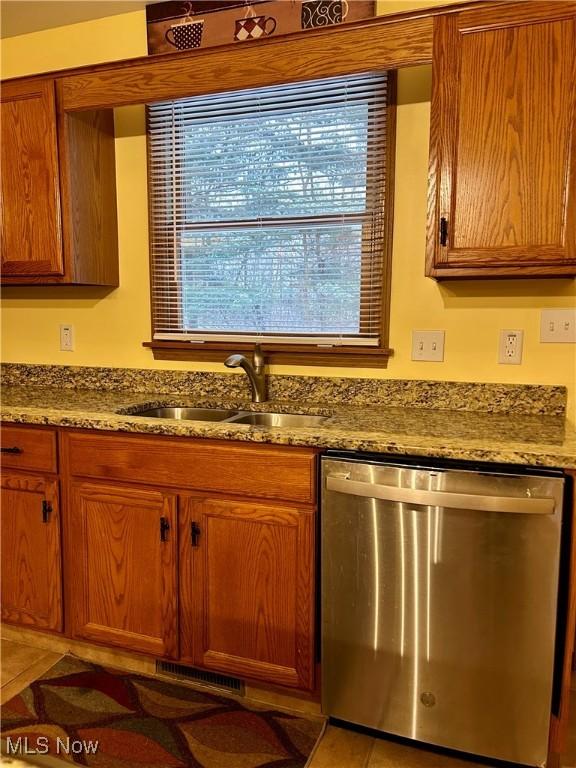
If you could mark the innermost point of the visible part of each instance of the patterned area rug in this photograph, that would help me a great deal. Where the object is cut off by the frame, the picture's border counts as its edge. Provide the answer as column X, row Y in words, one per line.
column 91, row 715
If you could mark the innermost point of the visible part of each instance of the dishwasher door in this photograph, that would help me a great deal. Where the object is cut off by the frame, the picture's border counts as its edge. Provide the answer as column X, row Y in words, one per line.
column 439, row 602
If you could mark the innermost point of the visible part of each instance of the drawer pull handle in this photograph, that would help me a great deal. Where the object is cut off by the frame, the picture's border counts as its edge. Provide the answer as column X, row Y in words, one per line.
column 46, row 510
column 14, row 449
column 194, row 533
column 164, row 528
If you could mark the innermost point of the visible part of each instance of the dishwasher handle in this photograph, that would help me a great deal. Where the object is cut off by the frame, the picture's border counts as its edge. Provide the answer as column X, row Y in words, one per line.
column 529, row 505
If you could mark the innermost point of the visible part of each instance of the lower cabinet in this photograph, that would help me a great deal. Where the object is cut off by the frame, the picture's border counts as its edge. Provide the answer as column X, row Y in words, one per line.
column 247, row 589
column 31, row 555
column 122, row 555
column 195, row 550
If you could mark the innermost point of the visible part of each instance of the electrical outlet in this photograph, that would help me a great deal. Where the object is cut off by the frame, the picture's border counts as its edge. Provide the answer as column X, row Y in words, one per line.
column 67, row 338
column 428, row 345
column 558, row 325
column 510, row 347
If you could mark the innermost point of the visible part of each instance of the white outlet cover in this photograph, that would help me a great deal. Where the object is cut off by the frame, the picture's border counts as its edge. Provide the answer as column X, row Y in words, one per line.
column 428, row 346
column 558, row 326
column 67, row 338
column 510, row 347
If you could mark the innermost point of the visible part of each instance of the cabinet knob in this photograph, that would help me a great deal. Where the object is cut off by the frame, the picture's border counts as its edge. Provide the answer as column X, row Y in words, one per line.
column 13, row 449
column 194, row 534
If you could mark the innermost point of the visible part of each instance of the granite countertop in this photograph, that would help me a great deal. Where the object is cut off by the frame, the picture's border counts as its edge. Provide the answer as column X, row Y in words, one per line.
column 536, row 439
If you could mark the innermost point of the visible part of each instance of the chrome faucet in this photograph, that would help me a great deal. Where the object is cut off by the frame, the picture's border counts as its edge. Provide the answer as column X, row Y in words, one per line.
column 254, row 370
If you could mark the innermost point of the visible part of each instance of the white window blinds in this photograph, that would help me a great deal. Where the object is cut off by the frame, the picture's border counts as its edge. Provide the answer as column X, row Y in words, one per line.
column 267, row 213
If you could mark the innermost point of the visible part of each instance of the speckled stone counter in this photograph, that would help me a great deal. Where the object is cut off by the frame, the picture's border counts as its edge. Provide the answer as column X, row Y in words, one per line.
column 519, row 425
column 404, row 393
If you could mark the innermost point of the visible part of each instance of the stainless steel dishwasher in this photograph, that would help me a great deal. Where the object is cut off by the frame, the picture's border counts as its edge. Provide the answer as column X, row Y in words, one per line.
column 439, row 603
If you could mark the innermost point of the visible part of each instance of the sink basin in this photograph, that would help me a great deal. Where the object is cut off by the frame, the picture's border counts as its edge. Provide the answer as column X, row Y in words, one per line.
column 189, row 414
column 255, row 418
column 278, row 419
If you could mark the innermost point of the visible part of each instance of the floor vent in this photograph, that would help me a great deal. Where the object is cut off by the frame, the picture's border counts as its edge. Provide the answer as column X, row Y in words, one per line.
column 201, row 677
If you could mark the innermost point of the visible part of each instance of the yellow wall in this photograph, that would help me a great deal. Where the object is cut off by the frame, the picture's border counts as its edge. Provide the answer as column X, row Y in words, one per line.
column 111, row 325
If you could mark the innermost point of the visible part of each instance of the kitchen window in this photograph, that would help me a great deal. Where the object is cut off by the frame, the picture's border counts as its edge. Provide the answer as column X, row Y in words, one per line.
column 270, row 220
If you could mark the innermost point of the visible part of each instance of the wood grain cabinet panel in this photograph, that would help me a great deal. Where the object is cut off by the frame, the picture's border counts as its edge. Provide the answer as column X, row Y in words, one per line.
column 29, row 449
column 267, row 471
column 31, row 236
column 564, row 715
column 31, row 556
column 121, row 550
column 313, row 53
column 58, row 189
column 247, row 590
column 503, row 143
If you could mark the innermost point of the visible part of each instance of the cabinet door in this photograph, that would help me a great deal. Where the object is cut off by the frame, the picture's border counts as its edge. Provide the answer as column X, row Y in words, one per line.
column 247, row 590
column 31, row 556
column 30, row 195
column 122, row 553
column 503, row 142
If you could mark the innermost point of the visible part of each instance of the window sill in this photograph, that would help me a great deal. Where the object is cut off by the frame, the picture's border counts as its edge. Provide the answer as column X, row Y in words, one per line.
column 284, row 354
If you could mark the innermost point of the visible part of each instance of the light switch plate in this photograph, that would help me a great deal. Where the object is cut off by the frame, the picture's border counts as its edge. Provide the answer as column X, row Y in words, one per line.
column 558, row 326
column 428, row 345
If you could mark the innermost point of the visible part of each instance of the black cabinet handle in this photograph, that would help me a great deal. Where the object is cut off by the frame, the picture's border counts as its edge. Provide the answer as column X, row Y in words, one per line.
column 46, row 509
column 164, row 528
column 443, row 231
column 14, row 449
column 194, row 533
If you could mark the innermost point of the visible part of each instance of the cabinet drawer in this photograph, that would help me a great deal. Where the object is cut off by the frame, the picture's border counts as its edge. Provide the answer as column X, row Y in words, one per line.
column 24, row 448
column 273, row 472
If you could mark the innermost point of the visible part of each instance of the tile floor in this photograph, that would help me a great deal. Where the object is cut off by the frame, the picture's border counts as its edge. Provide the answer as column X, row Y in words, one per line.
column 339, row 748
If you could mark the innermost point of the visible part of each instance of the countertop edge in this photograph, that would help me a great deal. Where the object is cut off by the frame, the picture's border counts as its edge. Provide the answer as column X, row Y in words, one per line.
column 537, row 455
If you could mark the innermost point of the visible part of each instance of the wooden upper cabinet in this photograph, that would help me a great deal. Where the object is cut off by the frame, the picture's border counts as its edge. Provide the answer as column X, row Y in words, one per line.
column 58, row 189
column 31, row 557
column 121, row 556
column 31, row 236
column 503, row 142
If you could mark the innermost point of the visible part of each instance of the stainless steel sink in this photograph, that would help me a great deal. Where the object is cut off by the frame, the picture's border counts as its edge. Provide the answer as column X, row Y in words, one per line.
column 254, row 418
column 189, row 414
column 278, row 419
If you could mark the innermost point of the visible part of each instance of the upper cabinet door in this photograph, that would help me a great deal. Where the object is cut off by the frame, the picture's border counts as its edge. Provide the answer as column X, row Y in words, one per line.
column 503, row 144
column 30, row 195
